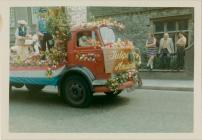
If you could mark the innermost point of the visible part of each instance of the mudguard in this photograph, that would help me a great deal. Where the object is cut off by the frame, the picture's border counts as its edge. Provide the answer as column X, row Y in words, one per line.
column 78, row 70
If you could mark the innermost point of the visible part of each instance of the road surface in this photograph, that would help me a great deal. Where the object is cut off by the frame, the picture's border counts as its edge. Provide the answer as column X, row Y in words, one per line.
column 133, row 111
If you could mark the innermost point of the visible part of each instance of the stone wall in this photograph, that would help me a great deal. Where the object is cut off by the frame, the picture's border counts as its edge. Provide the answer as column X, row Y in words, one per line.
column 78, row 15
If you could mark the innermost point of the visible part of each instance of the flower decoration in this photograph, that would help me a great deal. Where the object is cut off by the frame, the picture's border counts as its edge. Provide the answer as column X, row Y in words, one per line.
column 116, row 80
column 49, row 72
column 121, row 44
column 108, row 22
column 50, row 58
column 90, row 57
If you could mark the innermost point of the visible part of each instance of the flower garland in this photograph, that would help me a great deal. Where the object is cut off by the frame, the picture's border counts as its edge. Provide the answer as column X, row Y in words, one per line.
column 49, row 72
column 100, row 22
column 121, row 44
column 86, row 57
column 116, row 80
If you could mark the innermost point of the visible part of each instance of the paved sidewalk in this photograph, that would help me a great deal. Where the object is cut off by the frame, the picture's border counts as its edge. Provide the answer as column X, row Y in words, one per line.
column 177, row 85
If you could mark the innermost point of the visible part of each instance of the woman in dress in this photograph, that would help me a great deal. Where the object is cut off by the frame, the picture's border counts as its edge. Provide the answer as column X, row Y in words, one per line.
column 151, row 50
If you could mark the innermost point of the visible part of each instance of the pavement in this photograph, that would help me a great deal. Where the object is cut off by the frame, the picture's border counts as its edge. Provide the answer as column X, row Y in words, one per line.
column 176, row 85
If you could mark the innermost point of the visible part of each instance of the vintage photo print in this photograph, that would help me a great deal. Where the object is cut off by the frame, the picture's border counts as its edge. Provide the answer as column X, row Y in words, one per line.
column 101, row 69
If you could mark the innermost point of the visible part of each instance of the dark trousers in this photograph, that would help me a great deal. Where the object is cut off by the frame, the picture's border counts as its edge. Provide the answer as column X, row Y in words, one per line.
column 180, row 57
column 165, row 59
column 47, row 39
column 139, row 79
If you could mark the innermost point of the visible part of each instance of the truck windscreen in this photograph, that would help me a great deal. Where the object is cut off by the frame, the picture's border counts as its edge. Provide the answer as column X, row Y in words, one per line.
column 107, row 34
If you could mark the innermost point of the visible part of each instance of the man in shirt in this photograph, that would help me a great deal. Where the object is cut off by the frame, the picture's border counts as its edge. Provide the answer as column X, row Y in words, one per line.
column 166, row 48
column 43, row 31
column 181, row 43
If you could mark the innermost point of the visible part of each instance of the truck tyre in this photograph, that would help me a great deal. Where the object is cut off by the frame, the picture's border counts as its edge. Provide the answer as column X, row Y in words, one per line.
column 10, row 88
column 112, row 94
column 76, row 91
column 35, row 88
column 18, row 85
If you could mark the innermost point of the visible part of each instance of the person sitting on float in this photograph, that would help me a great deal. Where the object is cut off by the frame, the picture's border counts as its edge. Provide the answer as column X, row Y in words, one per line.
column 85, row 40
column 21, row 35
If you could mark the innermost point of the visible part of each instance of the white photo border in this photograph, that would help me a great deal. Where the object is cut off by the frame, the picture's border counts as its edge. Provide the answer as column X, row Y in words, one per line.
column 4, row 69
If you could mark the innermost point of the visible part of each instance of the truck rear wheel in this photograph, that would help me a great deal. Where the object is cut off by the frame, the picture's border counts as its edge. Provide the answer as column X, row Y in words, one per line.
column 18, row 85
column 76, row 91
column 10, row 88
column 35, row 88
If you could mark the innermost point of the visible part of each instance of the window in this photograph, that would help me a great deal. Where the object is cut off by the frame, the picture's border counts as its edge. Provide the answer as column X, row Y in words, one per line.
column 183, row 25
column 86, row 39
column 159, row 26
column 171, row 26
column 35, row 12
column 12, row 17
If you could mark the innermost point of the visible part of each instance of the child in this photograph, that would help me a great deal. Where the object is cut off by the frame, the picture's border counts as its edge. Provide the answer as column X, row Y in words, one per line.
column 36, row 44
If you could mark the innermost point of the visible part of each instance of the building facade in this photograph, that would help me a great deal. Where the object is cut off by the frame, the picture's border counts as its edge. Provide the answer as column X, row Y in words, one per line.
column 141, row 20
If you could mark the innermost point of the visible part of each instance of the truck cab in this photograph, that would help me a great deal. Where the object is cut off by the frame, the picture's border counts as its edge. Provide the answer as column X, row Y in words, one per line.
column 89, row 60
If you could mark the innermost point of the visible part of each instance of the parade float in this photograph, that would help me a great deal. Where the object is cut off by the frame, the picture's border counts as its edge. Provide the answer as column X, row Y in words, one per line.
column 107, row 65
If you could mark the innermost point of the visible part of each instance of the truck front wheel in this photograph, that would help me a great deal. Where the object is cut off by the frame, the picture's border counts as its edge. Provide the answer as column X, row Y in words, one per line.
column 76, row 91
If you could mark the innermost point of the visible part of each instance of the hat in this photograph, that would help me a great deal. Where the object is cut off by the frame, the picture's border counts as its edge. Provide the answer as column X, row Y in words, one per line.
column 23, row 22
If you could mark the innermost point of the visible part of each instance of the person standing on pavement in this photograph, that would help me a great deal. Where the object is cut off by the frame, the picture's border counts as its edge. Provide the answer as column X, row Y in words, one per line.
column 166, row 48
column 47, row 38
column 181, row 43
column 151, row 50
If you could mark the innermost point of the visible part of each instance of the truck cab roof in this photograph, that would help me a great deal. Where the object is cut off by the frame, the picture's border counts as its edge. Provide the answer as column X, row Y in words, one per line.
column 83, row 27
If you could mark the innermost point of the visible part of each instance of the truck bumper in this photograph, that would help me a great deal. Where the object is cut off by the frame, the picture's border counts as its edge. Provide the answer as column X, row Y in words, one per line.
column 103, row 88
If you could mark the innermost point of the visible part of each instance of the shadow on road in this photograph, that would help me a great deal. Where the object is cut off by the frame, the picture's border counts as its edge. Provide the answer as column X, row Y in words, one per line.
column 43, row 98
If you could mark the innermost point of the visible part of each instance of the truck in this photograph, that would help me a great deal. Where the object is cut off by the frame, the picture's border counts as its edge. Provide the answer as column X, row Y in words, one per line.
column 87, row 68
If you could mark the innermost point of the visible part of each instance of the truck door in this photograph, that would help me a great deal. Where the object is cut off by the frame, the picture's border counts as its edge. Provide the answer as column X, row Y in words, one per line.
column 88, row 52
